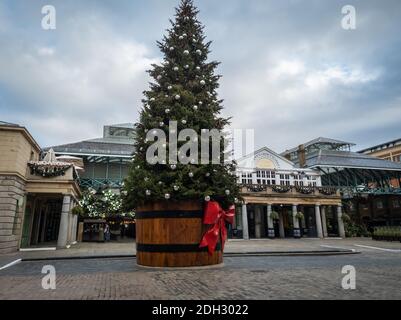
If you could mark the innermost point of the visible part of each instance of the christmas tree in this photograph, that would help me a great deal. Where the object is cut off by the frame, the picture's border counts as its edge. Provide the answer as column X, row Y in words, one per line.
column 183, row 90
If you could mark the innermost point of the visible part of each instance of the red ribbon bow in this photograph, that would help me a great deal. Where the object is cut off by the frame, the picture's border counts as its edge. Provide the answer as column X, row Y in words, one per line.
column 216, row 216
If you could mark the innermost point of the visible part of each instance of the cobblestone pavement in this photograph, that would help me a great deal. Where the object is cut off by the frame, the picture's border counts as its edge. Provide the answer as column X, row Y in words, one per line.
column 233, row 246
column 378, row 277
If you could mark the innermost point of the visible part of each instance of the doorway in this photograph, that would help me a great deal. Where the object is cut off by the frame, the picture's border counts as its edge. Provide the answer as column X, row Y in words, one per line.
column 41, row 221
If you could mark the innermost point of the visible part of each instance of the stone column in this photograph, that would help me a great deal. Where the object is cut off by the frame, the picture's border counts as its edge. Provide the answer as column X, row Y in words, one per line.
column 324, row 222
column 245, row 232
column 281, row 225
column 297, row 231
column 70, row 221
column 270, row 224
column 318, row 221
column 258, row 222
column 74, row 228
column 340, row 221
column 63, row 229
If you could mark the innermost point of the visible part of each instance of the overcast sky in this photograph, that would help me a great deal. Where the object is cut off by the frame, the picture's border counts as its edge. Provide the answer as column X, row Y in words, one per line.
column 289, row 69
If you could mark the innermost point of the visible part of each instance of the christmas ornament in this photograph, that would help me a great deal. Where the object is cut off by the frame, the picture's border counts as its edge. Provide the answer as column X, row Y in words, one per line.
column 200, row 102
column 198, row 68
column 171, row 48
column 173, row 167
column 148, row 192
column 146, row 179
column 152, row 99
column 159, row 77
column 160, row 183
column 176, row 68
column 184, row 121
column 207, row 198
column 186, row 66
column 202, row 82
column 198, row 52
column 195, row 107
column 186, row 52
column 207, row 174
column 167, row 111
column 180, row 37
column 161, row 124
column 228, row 192
column 167, row 196
column 176, row 188
column 169, row 87
column 177, row 97
column 184, row 34
column 191, row 174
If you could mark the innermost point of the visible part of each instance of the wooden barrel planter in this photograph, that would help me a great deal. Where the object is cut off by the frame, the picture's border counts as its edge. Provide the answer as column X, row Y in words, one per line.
column 168, row 234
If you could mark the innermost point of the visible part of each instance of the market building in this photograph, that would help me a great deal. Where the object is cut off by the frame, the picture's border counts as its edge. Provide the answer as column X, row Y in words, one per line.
column 106, row 160
column 369, row 185
column 390, row 151
column 36, row 196
column 281, row 199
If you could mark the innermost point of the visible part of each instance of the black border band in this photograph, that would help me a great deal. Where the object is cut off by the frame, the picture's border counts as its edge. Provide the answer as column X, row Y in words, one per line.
column 172, row 248
column 168, row 214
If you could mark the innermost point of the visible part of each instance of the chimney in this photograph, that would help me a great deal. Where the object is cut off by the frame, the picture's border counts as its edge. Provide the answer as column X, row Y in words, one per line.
column 301, row 156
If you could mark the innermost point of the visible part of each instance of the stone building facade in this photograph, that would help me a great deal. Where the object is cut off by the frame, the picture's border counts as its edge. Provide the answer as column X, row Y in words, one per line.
column 28, row 188
column 282, row 200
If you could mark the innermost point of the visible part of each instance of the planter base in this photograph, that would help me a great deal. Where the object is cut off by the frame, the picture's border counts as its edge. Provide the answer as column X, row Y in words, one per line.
column 169, row 234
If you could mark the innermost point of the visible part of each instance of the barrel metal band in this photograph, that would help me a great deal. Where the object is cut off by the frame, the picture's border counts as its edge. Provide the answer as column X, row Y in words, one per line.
column 172, row 248
column 168, row 214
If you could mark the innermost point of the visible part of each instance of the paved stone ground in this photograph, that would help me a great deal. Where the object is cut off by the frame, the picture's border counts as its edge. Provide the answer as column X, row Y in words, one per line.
column 318, row 277
column 233, row 246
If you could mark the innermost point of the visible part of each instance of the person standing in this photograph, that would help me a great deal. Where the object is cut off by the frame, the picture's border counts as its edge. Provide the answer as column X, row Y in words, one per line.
column 107, row 232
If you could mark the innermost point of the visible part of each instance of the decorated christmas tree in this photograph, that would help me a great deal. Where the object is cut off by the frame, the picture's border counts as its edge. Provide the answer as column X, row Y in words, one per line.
column 183, row 90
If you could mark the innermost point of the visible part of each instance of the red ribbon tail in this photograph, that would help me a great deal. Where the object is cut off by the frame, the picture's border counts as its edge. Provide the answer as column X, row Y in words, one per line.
column 209, row 240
